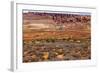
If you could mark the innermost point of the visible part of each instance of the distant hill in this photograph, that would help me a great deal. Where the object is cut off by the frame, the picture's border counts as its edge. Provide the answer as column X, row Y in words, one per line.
column 54, row 21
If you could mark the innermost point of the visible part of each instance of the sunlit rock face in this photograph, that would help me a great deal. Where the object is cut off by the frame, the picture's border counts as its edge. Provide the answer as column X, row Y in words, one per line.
column 54, row 20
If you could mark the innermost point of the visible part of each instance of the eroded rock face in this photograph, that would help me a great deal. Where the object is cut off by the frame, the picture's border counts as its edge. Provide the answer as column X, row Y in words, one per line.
column 53, row 21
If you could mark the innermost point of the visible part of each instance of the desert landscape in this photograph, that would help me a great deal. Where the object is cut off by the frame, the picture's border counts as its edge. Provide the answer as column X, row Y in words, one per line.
column 56, row 36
